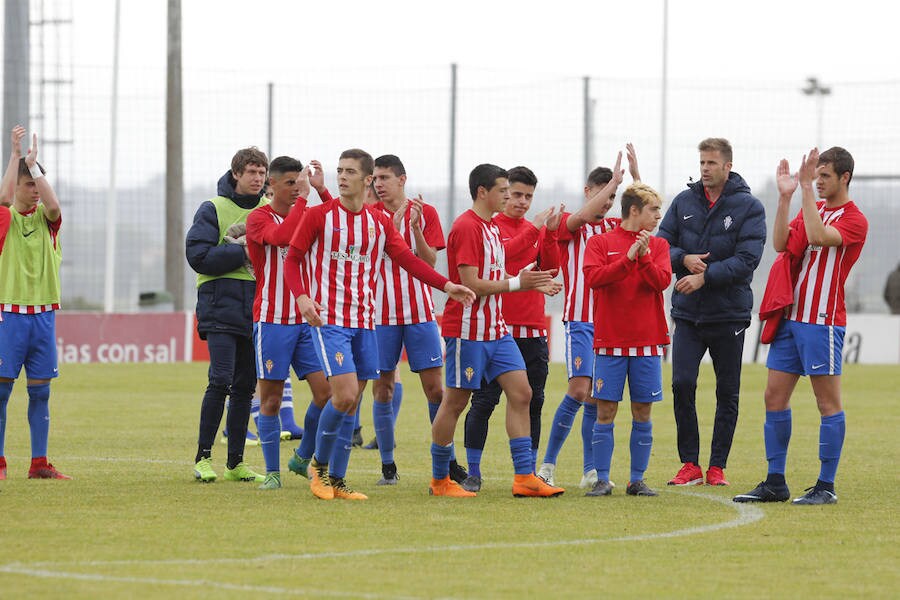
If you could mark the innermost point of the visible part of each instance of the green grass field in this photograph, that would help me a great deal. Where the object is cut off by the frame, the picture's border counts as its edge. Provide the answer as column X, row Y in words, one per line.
column 134, row 523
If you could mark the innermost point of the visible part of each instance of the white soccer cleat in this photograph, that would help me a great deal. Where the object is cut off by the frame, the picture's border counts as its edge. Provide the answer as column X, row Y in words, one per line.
column 547, row 471
column 590, row 478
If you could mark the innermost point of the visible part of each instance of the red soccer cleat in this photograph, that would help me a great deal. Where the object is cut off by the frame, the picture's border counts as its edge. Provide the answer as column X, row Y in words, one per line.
column 690, row 474
column 2, row 468
column 41, row 469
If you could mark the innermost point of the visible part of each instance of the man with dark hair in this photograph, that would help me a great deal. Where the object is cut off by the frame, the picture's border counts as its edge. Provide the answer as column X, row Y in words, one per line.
column 524, row 314
column 716, row 231
column 30, row 255
column 574, row 232
column 225, row 291
column 479, row 347
column 822, row 243
column 281, row 337
column 339, row 242
column 405, row 310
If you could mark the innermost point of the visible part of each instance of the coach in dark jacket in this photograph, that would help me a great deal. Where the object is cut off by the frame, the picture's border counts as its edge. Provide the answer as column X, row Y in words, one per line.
column 225, row 290
column 716, row 231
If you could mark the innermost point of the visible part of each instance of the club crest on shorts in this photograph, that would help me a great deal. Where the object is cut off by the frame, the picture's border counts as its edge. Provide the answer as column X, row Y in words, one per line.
column 578, row 362
column 470, row 372
column 269, row 365
column 339, row 357
column 598, row 384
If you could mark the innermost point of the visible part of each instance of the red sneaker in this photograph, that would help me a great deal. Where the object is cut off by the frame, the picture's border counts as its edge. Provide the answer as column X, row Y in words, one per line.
column 690, row 474
column 41, row 469
column 2, row 468
column 715, row 476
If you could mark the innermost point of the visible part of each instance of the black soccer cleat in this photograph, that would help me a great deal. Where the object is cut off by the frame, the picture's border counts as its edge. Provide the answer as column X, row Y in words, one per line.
column 457, row 472
column 389, row 475
column 816, row 496
column 765, row 492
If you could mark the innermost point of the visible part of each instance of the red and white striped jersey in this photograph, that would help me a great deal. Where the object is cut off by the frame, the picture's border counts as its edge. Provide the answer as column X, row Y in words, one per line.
column 633, row 351
column 579, row 299
column 402, row 299
column 819, row 291
column 475, row 242
column 342, row 252
column 268, row 237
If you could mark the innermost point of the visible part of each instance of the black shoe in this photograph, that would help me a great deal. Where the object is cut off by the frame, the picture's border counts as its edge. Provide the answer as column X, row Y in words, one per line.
column 472, row 484
column 457, row 472
column 389, row 475
column 601, row 488
column 373, row 445
column 639, row 488
column 816, row 495
column 765, row 492
column 356, row 441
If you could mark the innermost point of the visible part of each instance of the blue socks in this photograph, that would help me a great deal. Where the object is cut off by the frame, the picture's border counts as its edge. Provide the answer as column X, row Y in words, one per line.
column 311, row 425
column 440, row 460
column 473, row 460
column 603, row 443
column 520, row 449
column 5, row 392
column 641, row 443
column 269, row 428
column 39, row 418
column 396, row 400
column 831, row 441
column 341, row 456
column 432, row 411
column 777, row 434
column 587, row 435
column 559, row 430
column 288, row 422
column 326, row 436
column 383, row 420
column 254, row 413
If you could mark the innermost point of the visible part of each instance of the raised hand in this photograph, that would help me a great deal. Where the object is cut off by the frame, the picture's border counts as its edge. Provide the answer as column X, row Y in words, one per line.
column 16, row 137
column 786, row 182
column 553, row 220
column 541, row 217
column 31, row 157
column 399, row 214
column 807, row 173
column 415, row 213
column 316, row 175
column 632, row 162
column 303, row 183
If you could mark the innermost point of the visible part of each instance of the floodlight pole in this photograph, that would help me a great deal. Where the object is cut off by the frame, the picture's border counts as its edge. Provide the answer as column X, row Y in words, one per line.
column 815, row 88
column 109, row 281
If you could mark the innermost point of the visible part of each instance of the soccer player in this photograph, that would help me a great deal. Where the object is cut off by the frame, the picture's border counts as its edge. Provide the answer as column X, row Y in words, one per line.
column 628, row 268
column 478, row 343
column 810, row 338
column 225, row 290
column 524, row 315
column 574, row 232
column 341, row 244
column 280, row 336
column 716, row 231
column 405, row 310
column 30, row 256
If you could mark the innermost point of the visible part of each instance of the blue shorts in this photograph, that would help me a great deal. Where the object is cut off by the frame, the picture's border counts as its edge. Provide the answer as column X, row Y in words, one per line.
column 468, row 362
column 644, row 378
column 579, row 349
column 806, row 349
column 28, row 340
column 421, row 340
column 346, row 350
column 280, row 347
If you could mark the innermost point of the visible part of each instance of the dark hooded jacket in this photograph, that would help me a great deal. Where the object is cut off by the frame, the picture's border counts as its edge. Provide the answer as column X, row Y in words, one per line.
column 733, row 231
column 224, row 305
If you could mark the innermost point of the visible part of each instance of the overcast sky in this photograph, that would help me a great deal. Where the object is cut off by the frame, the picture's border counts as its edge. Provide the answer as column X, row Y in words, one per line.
column 759, row 40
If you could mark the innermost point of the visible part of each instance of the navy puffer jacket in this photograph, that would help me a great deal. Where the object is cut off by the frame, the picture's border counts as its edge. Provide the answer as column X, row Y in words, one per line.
column 733, row 231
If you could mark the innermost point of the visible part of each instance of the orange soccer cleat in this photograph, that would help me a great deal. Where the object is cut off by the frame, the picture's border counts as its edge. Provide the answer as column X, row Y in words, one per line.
column 532, row 486
column 448, row 487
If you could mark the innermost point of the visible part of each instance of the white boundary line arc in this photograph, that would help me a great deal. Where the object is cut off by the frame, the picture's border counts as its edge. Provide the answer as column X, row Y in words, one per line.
column 747, row 514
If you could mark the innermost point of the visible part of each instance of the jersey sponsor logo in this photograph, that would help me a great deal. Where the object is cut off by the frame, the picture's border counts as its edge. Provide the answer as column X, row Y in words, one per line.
column 339, row 357
column 470, row 372
column 352, row 255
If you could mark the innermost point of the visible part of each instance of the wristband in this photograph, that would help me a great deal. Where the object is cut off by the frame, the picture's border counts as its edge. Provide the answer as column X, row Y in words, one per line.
column 514, row 283
column 35, row 171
